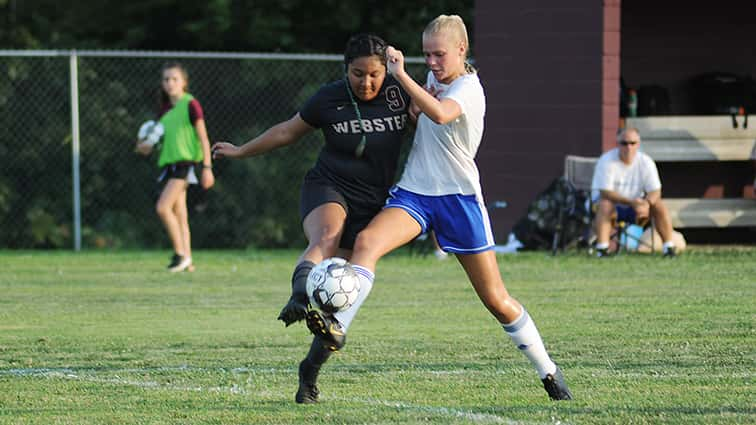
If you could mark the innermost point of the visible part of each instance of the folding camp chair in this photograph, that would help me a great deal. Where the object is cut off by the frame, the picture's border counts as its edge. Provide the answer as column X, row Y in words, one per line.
column 578, row 173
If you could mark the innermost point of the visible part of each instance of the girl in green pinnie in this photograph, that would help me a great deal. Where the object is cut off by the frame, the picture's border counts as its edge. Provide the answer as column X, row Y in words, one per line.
column 184, row 159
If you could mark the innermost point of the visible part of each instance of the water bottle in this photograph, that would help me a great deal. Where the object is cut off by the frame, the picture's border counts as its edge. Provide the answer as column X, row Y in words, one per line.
column 632, row 103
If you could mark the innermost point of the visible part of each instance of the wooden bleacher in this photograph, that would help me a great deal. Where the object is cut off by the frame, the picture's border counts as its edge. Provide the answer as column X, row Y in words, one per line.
column 701, row 138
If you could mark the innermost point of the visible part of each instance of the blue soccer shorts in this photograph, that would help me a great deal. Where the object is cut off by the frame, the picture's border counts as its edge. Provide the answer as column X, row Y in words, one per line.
column 626, row 213
column 460, row 222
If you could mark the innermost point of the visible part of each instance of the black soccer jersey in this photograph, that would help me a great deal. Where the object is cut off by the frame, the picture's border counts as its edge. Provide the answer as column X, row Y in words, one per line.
column 366, row 178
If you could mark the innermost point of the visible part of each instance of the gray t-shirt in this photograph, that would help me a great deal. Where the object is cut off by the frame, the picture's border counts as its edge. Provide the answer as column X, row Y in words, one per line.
column 631, row 181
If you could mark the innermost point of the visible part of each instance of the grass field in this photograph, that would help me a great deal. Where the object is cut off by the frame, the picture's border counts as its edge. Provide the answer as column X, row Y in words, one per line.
column 110, row 338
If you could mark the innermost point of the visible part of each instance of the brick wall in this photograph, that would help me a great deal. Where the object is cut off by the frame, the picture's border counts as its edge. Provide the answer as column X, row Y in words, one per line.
column 541, row 65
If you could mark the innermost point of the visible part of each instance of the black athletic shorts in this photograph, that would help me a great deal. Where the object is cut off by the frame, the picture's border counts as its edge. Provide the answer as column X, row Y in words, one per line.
column 188, row 171
column 317, row 191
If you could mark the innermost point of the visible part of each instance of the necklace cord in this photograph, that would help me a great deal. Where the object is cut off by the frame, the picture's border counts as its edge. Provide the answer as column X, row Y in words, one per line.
column 360, row 149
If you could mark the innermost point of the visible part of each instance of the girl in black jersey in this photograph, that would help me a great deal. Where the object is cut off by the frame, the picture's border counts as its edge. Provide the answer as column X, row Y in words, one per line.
column 362, row 118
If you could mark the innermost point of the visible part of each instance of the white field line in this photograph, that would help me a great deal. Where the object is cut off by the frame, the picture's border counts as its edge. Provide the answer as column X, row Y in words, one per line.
column 48, row 371
column 86, row 375
column 660, row 374
column 234, row 389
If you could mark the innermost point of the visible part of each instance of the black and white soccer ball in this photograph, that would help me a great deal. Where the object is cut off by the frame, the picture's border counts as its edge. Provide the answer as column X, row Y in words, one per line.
column 333, row 285
column 150, row 132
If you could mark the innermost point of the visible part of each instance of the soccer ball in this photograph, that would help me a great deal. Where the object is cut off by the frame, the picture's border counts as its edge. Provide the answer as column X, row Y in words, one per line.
column 333, row 285
column 150, row 132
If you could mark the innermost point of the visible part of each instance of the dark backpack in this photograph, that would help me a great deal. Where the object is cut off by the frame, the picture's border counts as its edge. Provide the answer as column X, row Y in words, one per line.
column 558, row 208
column 722, row 93
column 653, row 100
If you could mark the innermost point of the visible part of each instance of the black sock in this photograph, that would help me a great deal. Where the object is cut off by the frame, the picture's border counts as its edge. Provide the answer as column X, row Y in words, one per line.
column 316, row 357
column 299, row 280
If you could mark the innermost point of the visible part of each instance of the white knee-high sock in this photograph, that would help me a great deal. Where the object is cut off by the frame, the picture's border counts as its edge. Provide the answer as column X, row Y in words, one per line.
column 366, row 284
column 525, row 335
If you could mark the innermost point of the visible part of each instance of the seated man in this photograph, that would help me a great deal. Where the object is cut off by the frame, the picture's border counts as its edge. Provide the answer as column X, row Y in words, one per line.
column 629, row 184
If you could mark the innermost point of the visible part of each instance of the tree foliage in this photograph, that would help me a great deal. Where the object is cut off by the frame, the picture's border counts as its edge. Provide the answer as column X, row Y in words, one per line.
column 241, row 99
column 218, row 25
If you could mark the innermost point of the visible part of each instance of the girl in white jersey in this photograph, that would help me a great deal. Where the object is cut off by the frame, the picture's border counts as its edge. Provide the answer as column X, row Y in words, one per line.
column 440, row 191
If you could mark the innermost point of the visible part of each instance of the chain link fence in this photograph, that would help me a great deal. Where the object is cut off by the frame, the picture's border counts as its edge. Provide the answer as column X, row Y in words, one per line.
column 51, row 180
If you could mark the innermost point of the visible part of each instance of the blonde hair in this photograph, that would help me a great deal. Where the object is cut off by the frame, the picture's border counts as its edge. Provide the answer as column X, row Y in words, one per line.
column 453, row 26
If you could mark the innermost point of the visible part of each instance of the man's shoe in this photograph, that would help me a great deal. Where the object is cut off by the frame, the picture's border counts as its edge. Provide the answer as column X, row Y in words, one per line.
column 603, row 253
column 294, row 311
column 327, row 328
column 670, row 252
column 308, row 391
column 556, row 387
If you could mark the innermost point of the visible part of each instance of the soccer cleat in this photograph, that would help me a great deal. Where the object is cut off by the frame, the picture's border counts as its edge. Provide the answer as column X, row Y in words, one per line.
column 670, row 252
column 179, row 263
column 308, row 392
column 327, row 328
column 556, row 387
column 296, row 308
column 294, row 311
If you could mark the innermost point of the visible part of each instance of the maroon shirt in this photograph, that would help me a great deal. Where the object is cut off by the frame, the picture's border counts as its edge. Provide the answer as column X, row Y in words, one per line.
column 195, row 110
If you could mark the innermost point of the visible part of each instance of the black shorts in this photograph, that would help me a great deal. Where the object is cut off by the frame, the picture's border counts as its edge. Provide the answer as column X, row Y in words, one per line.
column 318, row 191
column 180, row 170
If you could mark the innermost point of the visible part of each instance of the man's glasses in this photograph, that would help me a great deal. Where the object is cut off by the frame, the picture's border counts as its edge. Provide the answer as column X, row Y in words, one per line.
column 628, row 142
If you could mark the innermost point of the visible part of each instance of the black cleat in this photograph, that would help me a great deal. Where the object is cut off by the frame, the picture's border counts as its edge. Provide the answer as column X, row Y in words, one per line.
column 308, row 392
column 556, row 387
column 327, row 328
column 603, row 253
column 293, row 311
column 670, row 252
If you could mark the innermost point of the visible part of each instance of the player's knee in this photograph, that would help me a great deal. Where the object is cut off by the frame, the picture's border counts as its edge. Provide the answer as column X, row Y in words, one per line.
column 328, row 243
column 506, row 309
column 162, row 209
column 366, row 241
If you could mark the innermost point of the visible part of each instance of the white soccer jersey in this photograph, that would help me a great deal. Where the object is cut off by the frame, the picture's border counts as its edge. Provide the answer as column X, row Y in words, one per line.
column 631, row 181
column 442, row 159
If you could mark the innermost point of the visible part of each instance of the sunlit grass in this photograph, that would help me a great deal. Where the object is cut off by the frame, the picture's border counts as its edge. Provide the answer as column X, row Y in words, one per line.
column 113, row 338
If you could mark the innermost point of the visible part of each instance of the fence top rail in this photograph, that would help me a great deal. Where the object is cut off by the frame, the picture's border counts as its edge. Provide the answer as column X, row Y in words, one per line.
column 182, row 54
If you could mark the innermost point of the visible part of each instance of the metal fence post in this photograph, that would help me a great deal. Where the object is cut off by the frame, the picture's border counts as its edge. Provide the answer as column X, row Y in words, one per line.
column 73, row 66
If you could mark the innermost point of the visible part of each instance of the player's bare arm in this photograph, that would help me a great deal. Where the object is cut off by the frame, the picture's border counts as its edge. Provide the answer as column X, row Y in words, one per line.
column 207, row 180
column 281, row 134
column 439, row 111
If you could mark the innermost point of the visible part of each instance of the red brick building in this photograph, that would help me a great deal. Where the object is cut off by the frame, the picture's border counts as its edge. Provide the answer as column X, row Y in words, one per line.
column 552, row 68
